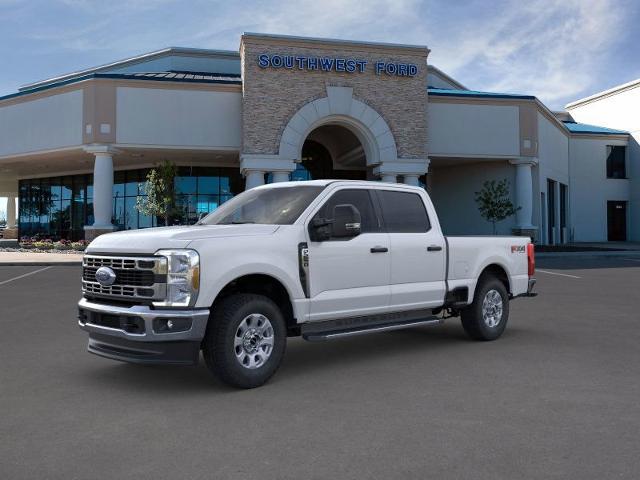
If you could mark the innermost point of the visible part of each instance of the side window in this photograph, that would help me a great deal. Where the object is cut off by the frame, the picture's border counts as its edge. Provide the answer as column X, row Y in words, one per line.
column 359, row 199
column 403, row 212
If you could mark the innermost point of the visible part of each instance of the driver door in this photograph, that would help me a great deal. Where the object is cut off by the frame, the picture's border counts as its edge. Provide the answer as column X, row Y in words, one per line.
column 350, row 276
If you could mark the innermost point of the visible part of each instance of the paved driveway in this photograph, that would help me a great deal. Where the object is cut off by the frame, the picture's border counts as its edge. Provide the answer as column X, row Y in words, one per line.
column 556, row 397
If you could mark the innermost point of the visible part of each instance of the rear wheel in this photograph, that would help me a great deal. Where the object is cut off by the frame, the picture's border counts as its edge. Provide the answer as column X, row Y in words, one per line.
column 245, row 341
column 486, row 318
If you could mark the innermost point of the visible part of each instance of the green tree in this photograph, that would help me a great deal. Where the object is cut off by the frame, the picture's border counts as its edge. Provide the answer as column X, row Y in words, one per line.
column 494, row 202
column 160, row 199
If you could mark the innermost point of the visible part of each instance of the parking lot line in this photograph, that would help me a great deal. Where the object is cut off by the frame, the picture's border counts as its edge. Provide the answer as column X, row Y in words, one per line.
column 556, row 273
column 24, row 275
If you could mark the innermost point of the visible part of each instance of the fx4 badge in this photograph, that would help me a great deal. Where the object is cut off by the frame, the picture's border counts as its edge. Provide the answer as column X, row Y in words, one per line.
column 517, row 249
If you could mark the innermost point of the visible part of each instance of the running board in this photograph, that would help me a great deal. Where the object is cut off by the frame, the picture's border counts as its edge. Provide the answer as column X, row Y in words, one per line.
column 329, row 335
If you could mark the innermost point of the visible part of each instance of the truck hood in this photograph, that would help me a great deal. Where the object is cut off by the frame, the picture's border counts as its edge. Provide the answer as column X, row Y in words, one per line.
column 149, row 240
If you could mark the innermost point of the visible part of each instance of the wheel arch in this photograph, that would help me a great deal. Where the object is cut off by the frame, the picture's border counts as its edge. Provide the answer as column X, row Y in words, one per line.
column 499, row 271
column 262, row 284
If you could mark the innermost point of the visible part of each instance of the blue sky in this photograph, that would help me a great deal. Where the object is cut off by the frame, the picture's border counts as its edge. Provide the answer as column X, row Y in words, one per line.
column 558, row 50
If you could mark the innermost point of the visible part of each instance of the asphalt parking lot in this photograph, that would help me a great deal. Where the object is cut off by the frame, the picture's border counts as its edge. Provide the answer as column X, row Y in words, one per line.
column 558, row 396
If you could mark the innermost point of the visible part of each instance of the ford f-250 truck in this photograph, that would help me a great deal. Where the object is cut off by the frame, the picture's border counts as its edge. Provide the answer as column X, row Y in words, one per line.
column 319, row 259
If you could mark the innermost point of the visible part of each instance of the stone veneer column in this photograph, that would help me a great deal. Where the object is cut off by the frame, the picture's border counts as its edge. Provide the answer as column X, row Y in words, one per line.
column 102, row 190
column 524, row 195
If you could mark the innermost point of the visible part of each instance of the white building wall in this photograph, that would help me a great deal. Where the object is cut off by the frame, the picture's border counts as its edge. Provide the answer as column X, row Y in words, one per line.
column 463, row 129
column 43, row 124
column 553, row 158
column 453, row 193
column 189, row 118
column 590, row 189
column 621, row 111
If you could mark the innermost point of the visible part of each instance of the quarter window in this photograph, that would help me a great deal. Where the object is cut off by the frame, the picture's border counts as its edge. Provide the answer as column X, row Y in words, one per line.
column 403, row 212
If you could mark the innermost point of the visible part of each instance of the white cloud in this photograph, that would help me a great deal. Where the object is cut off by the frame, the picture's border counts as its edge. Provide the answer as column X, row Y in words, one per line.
column 553, row 49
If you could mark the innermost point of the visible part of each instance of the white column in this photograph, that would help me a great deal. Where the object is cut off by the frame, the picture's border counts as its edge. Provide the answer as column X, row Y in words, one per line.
column 11, row 212
column 412, row 180
column 254, row 178
column 102, row 186
column 389, row 177
column 280, row 176
column 524, row 192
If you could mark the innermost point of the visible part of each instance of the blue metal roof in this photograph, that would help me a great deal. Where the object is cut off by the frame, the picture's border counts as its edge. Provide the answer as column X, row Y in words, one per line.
column 445, row 92
column 575, row 127
column 188, row 77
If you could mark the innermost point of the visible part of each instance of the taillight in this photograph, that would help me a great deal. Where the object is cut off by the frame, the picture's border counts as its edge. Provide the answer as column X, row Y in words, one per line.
column 531, row 260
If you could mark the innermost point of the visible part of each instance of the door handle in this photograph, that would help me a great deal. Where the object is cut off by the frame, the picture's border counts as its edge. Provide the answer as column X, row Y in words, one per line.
column 379, row 249
column 434, row 248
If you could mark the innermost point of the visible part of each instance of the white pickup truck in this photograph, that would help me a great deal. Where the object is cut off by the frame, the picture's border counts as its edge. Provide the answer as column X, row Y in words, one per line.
column 320, row 259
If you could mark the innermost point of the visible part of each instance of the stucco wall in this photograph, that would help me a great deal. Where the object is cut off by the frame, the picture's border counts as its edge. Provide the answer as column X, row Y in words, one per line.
column 42, row 124
column 465, row 129
column 453, row 193
column 590, row 189
column 620, row 111
column 198, row 118
column 271, row 96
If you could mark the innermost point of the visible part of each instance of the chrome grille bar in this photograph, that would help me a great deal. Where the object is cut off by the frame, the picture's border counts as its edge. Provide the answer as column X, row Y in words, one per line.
column 137, row 278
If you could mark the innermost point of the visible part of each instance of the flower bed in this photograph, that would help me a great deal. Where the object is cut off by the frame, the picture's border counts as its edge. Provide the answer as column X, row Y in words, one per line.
column 44, row 245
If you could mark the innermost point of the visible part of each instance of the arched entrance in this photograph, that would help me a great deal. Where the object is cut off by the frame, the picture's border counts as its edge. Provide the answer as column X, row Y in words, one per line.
column 333, row 151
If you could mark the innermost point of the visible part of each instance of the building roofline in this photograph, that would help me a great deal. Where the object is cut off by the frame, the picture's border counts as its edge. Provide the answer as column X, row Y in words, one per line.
column 121, row 76
column 446, row 92
column 447, row 77
column 604, row 93
column 335, row 41
column 131, row 61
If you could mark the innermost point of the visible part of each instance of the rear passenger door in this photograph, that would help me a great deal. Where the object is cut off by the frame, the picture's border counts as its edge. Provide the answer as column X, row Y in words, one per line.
column 417, row 252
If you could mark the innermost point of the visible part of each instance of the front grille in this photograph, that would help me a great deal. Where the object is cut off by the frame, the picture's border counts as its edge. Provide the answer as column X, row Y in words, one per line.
column 137, row 278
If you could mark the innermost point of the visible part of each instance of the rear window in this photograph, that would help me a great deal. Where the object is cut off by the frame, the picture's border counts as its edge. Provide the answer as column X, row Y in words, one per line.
column 403, row 212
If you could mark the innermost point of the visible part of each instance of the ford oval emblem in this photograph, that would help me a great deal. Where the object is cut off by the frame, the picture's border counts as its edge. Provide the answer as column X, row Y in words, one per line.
column 105, row 276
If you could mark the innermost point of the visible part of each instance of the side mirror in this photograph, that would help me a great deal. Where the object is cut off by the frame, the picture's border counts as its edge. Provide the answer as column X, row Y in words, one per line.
column 320, row 229
column 346, row 221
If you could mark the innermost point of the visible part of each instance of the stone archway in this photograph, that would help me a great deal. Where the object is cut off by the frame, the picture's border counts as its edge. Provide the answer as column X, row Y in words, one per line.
column 340, row 108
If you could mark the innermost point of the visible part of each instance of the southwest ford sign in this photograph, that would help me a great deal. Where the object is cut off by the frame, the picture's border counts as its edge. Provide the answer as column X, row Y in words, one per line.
column 334, row 64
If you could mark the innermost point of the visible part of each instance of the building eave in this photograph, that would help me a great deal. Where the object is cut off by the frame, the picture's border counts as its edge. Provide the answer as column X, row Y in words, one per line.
column 605, row 93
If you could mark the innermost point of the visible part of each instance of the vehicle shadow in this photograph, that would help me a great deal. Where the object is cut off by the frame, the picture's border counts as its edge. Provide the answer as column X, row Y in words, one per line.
column 301, row 359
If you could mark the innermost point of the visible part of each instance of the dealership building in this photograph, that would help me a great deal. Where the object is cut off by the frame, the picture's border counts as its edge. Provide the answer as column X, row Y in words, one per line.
column 74, row 150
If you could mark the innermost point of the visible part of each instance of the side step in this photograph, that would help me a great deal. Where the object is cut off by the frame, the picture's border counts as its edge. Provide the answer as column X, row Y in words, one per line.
column 361, row 330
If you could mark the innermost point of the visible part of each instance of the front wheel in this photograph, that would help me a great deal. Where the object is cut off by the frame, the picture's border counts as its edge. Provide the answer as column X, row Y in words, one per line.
column 486, row 318
column 245, row 341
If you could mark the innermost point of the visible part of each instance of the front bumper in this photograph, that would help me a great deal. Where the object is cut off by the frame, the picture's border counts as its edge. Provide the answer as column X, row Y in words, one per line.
column 140, row 334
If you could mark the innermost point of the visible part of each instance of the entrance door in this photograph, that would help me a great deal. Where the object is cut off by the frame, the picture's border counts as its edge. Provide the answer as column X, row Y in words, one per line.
column 350, row 276
column 617, row 221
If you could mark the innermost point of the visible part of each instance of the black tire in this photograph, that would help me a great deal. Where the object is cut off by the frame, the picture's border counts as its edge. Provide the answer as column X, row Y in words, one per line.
column 219, row 345
column 473, row 319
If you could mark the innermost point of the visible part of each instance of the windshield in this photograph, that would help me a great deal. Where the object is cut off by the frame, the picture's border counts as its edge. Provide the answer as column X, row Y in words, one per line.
column 272, row 206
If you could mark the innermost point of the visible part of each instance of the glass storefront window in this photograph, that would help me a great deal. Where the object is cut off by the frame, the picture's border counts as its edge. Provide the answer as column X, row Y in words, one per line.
column 60, row 207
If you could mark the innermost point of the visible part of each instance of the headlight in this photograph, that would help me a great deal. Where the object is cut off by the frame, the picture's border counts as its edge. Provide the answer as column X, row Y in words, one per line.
column 183, row 278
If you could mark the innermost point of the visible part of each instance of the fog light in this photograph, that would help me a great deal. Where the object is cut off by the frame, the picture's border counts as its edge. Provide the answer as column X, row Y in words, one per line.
column 171, row 325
